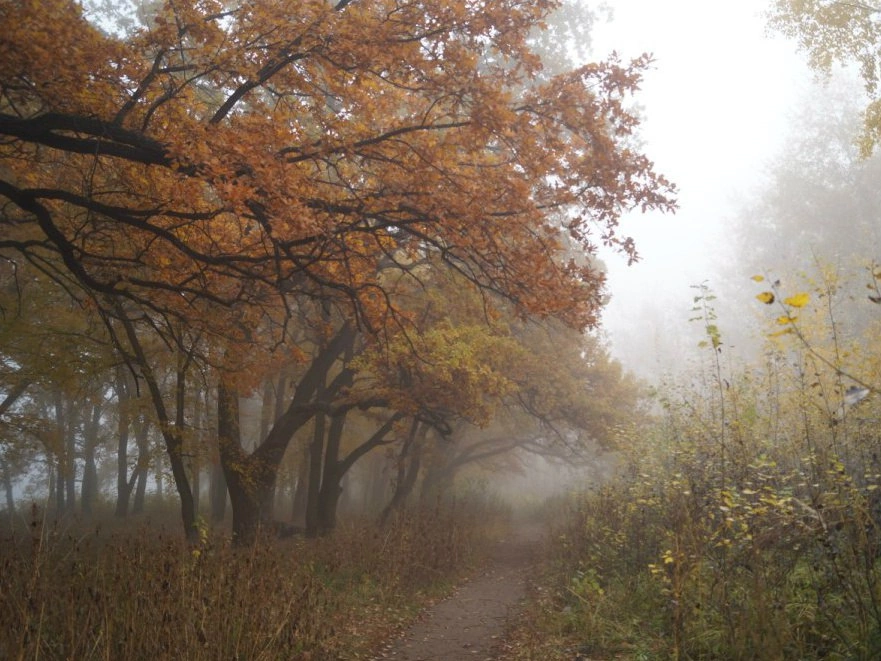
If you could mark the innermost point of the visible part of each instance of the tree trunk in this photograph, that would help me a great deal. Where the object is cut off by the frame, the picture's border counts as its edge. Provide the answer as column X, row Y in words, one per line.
column 229, row 445
column 251, row 478
column 7, row 488
column 298, row 513
column 218, row 493
column 336, row 469
column 178, row 470
column 60, row 461
column 197, row 444
column 123, row 483
column 159, row 478
column 53, row 489
column 248, row 481
column 325, row 472
column 409, row 462
column 89, row 487
column 70, row 462
column 66, row 420
column 196, row 471
column 138, row 505
column 60, row 491
column 331, row 480
column 267, row 409
column 10, row 399
column 172, row 431
column 313, row 485
column 142, row 439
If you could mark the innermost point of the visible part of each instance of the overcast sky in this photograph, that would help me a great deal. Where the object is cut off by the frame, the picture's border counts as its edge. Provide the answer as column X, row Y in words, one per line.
column 716, row 105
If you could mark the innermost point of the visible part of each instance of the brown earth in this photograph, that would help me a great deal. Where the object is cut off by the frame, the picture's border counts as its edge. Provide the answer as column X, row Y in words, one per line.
column 470, row 623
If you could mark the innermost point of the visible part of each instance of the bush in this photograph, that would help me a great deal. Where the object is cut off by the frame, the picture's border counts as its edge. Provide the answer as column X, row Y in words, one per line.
column 746, row 523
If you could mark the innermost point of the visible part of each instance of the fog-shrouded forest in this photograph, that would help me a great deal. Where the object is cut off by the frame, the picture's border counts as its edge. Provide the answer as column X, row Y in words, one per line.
column 315, row 313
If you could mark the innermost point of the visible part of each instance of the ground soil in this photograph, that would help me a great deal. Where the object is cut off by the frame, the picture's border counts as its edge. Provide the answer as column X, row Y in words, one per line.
column 470, row 623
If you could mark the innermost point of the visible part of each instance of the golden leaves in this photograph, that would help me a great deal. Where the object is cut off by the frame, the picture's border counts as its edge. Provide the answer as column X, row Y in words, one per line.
column 798, row 300
column 787, row 320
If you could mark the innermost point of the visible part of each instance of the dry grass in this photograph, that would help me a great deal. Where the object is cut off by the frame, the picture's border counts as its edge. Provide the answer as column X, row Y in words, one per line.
column 66, row 593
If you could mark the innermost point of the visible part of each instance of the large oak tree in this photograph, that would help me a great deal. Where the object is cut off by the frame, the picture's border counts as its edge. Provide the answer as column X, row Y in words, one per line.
column 204, row 172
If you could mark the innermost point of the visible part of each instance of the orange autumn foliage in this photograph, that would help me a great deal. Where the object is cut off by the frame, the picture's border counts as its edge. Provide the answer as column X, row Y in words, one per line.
column 218, row 159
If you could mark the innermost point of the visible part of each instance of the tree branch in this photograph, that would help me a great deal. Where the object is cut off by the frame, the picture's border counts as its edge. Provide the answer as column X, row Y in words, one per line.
column 106, row 139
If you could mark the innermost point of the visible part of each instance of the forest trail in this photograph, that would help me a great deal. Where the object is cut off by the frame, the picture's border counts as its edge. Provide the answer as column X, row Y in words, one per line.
column 469, row 623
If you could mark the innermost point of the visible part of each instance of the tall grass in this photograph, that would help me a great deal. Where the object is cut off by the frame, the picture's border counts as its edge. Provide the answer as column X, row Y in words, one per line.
column 66, row 593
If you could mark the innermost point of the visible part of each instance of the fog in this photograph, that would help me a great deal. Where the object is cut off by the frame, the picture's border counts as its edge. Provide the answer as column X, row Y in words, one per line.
column 716, row 107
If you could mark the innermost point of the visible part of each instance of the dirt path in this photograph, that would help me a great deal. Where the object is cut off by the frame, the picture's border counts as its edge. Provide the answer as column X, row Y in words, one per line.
column 469, row 623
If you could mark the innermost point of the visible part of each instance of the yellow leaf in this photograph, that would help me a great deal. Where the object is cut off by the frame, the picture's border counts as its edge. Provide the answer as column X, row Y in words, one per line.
column 757, row 278
column 798, row 301
column 786, row 319
column 766, row 297
column 785, row 331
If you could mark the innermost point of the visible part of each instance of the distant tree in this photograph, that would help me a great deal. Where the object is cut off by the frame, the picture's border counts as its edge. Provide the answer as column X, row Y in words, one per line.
column 8, row 452
column 55, row 359
column 820, row 206
column 567, row 400
column 484, row 396
column 840, row 31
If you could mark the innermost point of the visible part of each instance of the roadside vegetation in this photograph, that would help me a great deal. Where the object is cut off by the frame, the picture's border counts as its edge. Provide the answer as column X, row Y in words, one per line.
column 745, row 522
column 69, row 592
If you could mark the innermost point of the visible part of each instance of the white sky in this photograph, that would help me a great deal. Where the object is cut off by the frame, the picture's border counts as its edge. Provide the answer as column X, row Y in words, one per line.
column 715, row 106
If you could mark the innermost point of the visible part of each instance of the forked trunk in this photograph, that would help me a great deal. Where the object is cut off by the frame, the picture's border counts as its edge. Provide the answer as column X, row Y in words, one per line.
column 250, row 480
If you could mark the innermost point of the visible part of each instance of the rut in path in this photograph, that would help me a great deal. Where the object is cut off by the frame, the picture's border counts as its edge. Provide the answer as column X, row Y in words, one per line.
column 469, row 623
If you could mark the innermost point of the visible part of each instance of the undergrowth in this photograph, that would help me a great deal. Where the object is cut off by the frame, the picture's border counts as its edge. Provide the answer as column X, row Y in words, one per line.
column 66, row 593
column 745, row 522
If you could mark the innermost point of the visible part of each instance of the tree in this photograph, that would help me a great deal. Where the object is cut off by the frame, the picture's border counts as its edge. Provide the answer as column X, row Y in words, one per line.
column 842, row 31
column 817, row 211
column 129, row 417
column 484, row 390
column 8, row 401
column 217, row 168
column 54, row 360
column 568, row 398
column 822, row 198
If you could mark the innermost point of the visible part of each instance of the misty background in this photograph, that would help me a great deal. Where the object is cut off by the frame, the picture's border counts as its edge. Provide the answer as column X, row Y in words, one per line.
column 726, row 105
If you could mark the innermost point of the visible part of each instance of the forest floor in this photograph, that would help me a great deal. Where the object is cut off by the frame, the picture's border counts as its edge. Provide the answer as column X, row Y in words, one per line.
column 470, row 623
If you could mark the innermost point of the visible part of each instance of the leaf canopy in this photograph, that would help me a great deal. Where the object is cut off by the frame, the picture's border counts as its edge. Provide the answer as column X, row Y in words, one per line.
column 222, row 163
